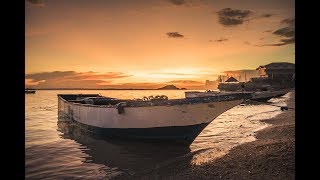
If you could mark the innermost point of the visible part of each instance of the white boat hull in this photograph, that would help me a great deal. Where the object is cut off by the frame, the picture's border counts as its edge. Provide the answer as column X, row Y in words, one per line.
column 181, row 122
column 146, row 117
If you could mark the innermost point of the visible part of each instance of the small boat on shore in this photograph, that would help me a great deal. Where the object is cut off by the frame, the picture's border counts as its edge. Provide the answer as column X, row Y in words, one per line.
column 29, row 91
column 256, row 95
column 267, row 95
column 174, row 120
column 194, row 94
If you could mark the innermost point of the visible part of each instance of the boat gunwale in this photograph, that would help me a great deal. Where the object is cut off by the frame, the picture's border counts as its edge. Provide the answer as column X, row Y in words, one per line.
column 174, row 102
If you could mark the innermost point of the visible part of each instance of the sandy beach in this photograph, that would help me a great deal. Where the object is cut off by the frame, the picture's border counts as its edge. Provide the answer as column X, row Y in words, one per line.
column 271, row 156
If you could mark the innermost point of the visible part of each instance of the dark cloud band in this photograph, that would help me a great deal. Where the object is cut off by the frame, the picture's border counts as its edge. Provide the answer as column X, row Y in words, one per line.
column 174, row 35
column 74, row 75
column 289, row 21
column 178, row 2
column 232, row 17
column 36, row 2
column 286, row 33
column 221, row 40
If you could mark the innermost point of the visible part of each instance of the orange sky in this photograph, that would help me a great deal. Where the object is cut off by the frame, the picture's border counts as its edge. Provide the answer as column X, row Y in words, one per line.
column 151, row 43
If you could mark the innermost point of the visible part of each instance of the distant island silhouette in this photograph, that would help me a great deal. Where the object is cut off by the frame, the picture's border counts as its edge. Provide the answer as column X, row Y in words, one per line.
column 170, row 87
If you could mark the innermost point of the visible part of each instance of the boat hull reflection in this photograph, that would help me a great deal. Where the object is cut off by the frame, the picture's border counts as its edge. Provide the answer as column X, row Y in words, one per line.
column 126, row 157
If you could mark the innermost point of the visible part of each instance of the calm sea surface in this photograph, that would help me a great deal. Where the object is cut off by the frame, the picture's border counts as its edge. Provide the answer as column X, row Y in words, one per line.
column 60, row 150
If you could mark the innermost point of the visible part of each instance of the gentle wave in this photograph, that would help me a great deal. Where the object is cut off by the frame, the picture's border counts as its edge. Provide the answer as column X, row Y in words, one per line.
column 63, row 151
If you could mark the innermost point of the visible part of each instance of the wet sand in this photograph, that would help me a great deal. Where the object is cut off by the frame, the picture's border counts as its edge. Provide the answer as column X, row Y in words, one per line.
column 271, row 156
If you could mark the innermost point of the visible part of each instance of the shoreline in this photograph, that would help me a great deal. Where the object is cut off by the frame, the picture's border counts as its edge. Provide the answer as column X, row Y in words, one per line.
column 270, row 156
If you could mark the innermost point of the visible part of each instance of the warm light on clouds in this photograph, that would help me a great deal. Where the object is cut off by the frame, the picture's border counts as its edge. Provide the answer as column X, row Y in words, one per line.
column 71, row 79
column 149, row 43
column 32, row 82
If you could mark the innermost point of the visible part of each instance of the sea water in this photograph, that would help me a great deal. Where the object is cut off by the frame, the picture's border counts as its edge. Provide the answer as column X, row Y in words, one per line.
column 61, row 150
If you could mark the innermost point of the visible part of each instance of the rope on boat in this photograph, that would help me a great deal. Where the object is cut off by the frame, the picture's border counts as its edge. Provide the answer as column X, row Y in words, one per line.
column 153, row 98
column 121, row 105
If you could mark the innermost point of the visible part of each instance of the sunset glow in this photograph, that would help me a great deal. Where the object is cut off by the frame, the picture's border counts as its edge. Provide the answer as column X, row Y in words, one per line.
column 152, row 43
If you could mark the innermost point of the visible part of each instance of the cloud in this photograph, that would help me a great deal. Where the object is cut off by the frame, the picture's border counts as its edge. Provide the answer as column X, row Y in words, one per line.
column 178, row 2
column 94, row 80
column 74, row 75
column 232, row 17
column 186, row 82
column 289, row 21
column 174, row 35
column 221, row 40
column 266, row 15
column 71, row 79
column 178, row 74
column 286, row 33
column 94, row 75
column 182, row 73
column 282, row 42
column 49, row 75
column 289, row 41
column 32, row 82
column 189, row 84
column 36, row 2
column 188, row 3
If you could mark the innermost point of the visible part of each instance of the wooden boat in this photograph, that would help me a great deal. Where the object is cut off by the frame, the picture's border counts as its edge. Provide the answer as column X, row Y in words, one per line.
column 255, row 96
column 28, row 91
column 194, row 94
column 177, row 120
column 266, row 95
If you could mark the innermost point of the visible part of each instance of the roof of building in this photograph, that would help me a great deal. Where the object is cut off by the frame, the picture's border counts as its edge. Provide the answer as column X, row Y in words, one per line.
column 231, row 79
column 260, row 67
column 280, row 65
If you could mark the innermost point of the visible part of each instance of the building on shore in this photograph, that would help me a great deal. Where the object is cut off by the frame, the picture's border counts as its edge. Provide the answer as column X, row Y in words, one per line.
column 232, row 79
column 275, row 75
column 280, row 74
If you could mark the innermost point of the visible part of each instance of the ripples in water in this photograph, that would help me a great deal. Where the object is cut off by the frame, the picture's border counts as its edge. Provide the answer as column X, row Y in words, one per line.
column 61, row 150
